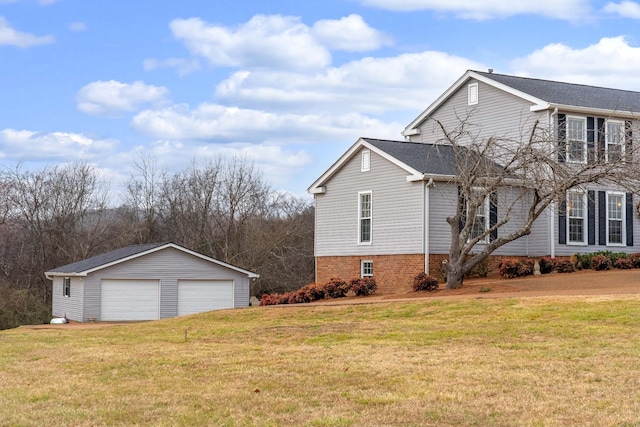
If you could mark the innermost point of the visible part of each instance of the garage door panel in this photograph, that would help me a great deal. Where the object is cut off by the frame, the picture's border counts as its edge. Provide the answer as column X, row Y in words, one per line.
column 197, row 296
column 130, row 300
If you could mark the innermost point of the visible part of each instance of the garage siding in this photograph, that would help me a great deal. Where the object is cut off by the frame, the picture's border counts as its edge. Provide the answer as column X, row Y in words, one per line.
column 168, row 265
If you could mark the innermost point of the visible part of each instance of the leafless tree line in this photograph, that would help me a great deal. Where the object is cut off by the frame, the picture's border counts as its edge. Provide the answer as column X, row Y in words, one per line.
column 220, row 207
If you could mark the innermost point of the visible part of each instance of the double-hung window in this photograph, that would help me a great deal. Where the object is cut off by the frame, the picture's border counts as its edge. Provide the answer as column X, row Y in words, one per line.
column 576, row 217
column 366, row 268
column 615, row 218
column 614, row 137
column 481, row 220
column 576, row 139
column 364, row 217
column 66, row 287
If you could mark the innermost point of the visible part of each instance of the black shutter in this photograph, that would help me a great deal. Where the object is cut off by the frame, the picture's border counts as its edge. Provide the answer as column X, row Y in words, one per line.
column 591, row 140
column 591, row 217
column 628, row 139
column 562, row 137
column 462, row 208
column 601, row 139
column 602, row 218
column 493, row 215
column 629, row 204
column 562, row 222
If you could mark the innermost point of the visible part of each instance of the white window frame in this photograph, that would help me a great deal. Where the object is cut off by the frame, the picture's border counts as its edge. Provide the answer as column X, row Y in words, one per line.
column 570, row 140
column 570, row 217
column 486, row 207
column 365, row 165
column 366, row 268
column 66, row 287
column 610, row 138
column 622, row 219
column 473, row 94
column 362, row 218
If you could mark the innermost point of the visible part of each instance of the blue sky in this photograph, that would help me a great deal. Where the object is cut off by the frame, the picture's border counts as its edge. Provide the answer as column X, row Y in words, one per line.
column 290, row 84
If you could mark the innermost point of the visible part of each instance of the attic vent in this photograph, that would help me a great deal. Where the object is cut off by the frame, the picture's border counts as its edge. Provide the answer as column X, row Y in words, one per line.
column 366, row 161
column 473, row 93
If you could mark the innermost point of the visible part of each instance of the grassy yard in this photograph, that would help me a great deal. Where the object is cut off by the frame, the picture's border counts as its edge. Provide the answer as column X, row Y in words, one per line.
column 531, row 362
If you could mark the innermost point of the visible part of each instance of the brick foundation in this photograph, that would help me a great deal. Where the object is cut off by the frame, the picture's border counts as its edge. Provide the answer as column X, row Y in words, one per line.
column 393, row 273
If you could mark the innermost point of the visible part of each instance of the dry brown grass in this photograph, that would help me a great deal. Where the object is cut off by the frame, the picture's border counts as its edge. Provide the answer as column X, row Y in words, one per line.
column 534, row 361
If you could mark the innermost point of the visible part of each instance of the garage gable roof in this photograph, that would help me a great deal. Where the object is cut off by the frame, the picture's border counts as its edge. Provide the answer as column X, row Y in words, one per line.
column 98, row 262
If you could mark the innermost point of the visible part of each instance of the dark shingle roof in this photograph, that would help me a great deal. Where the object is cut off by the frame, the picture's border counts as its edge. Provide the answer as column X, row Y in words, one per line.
column 570, row 93
column 106, row 258
column 435, row 159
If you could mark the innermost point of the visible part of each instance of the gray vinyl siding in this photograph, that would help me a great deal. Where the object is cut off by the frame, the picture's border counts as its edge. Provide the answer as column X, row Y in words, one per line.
column 71, row 306
column 397, row 207
column 497, row 114
column 168, row 266
column 443, row 199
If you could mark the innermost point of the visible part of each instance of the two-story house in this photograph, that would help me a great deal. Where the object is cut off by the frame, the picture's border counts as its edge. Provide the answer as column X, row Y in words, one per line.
column 381, row 208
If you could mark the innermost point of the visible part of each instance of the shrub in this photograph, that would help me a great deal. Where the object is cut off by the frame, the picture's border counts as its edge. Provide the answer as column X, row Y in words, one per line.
column 623, row 263
column 268, row 299
column 336, row 288
column 547, row 264
column 600, row 262
column 635, row 259
column 565, row 267
column 511, row 268
column 424, row 282
column 363, row 286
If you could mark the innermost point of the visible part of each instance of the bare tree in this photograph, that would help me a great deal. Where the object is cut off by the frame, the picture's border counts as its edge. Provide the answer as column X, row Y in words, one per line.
column 141, row 198
column 526, row 176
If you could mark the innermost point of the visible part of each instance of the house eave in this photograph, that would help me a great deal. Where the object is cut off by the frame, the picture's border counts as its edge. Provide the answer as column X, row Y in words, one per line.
column 605, row 112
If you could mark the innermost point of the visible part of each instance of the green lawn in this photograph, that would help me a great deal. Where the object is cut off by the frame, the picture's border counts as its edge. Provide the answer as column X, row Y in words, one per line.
column 530, row 361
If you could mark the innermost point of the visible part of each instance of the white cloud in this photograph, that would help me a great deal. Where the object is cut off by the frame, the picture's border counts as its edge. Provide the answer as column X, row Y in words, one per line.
column 611, row 62
column 350, row 33
column 112, row 98
column 626, row 9
column 77, row 26
column 265, row 41
column 572, row 10
column 216, row 123
column 12, row 37
column 371, row 85
column 54, row 146
column 184, row 66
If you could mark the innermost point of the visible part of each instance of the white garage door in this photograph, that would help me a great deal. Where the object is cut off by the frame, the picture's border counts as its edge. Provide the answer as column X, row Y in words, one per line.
column 130, row 300
column 196, row 296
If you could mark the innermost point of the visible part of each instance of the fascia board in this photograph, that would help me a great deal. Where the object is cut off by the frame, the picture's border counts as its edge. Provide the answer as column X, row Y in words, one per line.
column 159, row 248
column 586, row 110
column 459, row 83
column 318, row 186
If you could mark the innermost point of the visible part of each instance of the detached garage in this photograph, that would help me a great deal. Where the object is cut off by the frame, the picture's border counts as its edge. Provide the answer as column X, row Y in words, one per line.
column 147, row 282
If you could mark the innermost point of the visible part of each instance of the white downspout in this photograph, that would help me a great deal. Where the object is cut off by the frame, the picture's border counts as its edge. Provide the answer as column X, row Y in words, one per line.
column 425, row 222
column 552, row 206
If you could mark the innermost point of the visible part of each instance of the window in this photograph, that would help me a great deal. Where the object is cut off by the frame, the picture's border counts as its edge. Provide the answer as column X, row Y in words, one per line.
column 366, row 161
column 366, row 268
column 576, row 217
column 66, row 287
column 481, row 221
column 472, row 90
column 615, row 218
column 364, row 218
column 576, row 140
column 614, row 137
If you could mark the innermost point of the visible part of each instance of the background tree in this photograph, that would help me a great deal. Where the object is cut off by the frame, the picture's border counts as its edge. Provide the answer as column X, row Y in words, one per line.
column 525, row 176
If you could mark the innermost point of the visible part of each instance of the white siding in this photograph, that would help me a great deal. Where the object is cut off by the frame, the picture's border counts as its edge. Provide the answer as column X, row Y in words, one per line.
column 168, row 266
column 396, row 211
column 71, row 306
